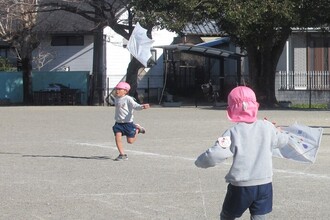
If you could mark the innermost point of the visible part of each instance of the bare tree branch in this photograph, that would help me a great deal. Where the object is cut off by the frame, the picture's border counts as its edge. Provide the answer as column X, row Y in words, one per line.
column 101, row 12
column 18, row 23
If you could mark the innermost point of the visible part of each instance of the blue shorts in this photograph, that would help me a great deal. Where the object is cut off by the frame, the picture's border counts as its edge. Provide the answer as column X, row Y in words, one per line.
column 126, row 129
column 258, row 199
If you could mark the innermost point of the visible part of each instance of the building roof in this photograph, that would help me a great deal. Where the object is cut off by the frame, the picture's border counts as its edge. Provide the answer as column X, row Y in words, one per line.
column 203, row 51
column 215, row 42
column 207, row 28
column 209, row 51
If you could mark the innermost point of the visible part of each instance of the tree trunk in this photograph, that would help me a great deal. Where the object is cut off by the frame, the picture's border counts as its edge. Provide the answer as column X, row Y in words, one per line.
column 262, row 69
column 27, row 80
column 132, row 75
column 97, row 84
column 262, row 76
column 25, row 45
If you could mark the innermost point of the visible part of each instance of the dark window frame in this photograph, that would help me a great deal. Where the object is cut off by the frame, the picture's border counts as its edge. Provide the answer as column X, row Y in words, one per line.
column 67, row 40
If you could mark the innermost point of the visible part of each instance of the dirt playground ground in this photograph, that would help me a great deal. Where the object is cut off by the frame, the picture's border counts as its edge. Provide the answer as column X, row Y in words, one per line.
column 56, row 162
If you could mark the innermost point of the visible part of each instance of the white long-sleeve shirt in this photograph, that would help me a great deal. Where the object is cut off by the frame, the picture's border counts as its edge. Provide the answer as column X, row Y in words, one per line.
column 125, row 107
column 251, row 146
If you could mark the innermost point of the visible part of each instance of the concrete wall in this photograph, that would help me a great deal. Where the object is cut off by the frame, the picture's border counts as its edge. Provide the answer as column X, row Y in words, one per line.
column 301, row 96
column 304, row 96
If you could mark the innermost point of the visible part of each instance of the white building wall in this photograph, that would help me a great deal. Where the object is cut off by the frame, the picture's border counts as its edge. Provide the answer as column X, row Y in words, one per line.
column 295, row 49
column 154, row 75
column 118, row 58
column 282, row 62
column 65, row 58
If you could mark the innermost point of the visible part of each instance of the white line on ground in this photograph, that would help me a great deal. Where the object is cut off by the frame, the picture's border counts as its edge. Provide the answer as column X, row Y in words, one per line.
column 138, row 152
column 203, row 197
column 307, row 175
column 299, row 173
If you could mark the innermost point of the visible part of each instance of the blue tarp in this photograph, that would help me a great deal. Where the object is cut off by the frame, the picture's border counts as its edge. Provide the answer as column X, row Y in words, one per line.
column 11, row 87
column 11, row 83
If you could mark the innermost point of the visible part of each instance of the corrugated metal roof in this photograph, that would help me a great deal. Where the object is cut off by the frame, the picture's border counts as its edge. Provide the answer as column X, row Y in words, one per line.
column 202, row 50
column 209, row 28
column 215, row 42
column 209, row 51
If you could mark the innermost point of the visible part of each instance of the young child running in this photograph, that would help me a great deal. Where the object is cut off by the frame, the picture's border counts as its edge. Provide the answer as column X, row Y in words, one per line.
column 124, row 126
column 250, row 142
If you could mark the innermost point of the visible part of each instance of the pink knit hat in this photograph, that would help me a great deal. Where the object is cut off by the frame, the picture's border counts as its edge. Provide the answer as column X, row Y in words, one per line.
column 242, row 105
column 123, row 85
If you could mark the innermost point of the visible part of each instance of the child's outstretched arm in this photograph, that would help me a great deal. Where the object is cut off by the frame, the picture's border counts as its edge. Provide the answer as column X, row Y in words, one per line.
column 215, row 154
column 145, row 106
column 137, row 106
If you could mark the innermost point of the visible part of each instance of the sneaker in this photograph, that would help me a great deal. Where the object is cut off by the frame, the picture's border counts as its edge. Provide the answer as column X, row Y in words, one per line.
column 122, row 157
column 141, row 129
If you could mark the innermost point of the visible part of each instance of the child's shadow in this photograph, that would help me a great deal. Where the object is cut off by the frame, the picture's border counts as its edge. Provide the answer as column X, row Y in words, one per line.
column 72, row 157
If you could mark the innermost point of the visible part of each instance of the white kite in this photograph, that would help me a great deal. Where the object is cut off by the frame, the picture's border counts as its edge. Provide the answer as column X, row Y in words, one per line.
column 139, row 44
column 303, row 145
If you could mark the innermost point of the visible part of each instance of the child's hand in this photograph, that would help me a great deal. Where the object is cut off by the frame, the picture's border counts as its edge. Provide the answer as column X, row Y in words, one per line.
column 145, row 106
column 273, row 122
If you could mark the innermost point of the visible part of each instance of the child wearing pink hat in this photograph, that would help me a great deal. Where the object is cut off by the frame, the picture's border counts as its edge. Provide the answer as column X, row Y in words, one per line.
column 124, row 126
column 250, row 142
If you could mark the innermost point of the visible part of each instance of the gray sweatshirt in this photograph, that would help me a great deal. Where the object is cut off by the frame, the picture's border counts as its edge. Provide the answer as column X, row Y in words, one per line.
column 125, row 107
column 251, row 146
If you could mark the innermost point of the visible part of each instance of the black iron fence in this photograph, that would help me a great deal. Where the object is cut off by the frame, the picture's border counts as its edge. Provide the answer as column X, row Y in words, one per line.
column 302, row 80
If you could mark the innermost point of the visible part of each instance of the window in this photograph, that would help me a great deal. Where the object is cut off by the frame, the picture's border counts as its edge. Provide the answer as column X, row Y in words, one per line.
column 319, row 54
column 67, row 40
column 153, row 59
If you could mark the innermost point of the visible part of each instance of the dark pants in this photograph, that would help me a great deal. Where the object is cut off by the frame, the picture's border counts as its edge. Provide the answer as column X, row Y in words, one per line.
column 258, row 199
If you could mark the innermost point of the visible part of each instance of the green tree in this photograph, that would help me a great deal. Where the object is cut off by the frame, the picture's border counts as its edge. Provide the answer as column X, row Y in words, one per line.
column 260, row 27
column 5, row 65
